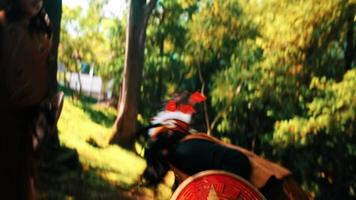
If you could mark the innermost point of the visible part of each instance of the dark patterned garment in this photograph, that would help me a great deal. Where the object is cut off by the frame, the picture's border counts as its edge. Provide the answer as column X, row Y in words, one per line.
column 25, row 41
column 194, row 156
column 191, row 157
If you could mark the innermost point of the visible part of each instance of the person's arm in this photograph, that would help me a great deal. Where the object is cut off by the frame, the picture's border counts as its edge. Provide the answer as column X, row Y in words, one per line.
column 157, row 165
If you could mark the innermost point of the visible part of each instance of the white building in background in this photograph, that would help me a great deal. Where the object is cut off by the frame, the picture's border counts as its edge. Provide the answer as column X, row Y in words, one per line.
column 92, row 85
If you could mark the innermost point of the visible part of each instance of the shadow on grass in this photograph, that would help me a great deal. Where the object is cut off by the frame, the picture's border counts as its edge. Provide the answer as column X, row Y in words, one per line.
column 77, row 184
column 98, row 116
column 87, row 104
column 63, row 177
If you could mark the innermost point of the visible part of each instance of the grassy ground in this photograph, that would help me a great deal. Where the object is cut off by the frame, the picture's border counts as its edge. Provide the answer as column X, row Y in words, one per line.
column 104, row 172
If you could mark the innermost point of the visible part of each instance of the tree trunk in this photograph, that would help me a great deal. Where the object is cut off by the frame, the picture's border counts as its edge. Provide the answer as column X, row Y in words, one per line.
column 159, row 87
column 54, row 10
column 349, row 52
column 78, row 71
column 125, row 124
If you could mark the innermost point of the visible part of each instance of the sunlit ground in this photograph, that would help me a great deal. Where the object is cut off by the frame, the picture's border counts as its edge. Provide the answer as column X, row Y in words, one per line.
column 106, row 171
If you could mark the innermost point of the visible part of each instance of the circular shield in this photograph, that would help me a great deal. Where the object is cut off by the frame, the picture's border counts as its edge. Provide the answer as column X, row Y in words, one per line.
column 216, row 185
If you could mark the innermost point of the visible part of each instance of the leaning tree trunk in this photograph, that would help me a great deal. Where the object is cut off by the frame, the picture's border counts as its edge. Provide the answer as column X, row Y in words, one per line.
column 125, row 125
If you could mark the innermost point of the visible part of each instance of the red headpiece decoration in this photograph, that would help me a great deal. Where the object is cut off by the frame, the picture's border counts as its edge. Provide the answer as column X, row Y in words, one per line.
column 187, row 108
column 178, row 112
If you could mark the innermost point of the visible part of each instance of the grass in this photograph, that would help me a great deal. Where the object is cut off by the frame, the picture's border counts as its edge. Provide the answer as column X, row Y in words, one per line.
column 106, row 171
column 77, row 127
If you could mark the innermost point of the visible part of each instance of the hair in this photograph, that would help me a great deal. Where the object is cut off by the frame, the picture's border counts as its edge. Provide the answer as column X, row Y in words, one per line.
column 39, row 22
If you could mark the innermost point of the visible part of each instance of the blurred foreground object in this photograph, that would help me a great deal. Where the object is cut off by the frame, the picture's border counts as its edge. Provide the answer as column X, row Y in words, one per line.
column 25, row 42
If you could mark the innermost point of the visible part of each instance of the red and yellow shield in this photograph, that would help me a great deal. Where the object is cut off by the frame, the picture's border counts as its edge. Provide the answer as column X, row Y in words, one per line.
column 216, row 185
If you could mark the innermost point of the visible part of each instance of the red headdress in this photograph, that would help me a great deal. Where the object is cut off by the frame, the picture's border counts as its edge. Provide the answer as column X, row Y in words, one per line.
column 178, row 111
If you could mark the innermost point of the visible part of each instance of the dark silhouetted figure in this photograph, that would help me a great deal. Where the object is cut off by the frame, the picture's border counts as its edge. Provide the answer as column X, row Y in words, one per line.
column 25, row 40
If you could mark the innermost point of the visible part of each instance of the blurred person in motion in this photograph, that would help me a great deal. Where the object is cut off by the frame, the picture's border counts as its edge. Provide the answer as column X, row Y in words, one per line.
column 25, row 42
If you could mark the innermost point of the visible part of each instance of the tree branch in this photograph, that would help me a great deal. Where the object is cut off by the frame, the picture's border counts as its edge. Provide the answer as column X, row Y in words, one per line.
column 217, row 118
column 206, row 115
column 225, row 110
column 148, row 8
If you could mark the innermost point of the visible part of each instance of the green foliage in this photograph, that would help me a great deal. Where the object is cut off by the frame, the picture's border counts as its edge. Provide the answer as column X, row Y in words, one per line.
column 92, row 38
column 332, row 111
column 164, row 70
column 216, row 28
column 279, row 94
column 271, row 72
column 326, row 136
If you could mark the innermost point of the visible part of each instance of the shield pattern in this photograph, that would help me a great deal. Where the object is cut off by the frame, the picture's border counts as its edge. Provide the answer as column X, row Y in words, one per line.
column 216, row 185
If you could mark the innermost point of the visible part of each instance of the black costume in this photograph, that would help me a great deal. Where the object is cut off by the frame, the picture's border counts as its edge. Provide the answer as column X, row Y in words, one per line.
column 191, row 156
column 185, row 153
